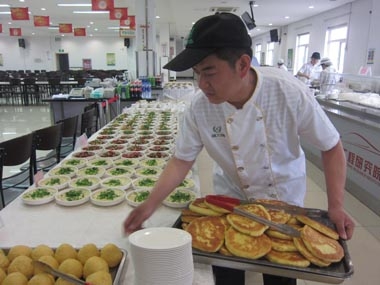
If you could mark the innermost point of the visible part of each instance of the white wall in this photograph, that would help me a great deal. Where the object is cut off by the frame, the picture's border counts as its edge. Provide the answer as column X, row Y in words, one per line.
column 40, row 52
column 362, row 34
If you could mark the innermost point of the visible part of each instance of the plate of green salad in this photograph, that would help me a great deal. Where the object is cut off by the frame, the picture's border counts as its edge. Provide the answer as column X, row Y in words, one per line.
column 88, row 182
column 136, row 197
column 39, row 195
column 106, row 197
column 72, row 197
column 179, row 198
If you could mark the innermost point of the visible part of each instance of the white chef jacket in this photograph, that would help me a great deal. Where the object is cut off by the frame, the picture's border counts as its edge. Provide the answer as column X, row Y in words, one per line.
column 313, row 71
column 327, row 80
column 257, row 148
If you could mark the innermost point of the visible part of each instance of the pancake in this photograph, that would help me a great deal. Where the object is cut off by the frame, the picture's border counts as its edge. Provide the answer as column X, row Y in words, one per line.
column 318, row 226
column 224, row 251
column 216, row 208
column 280, row 217
column 199, row 206
column 276, row 234
column 188, row 219
column 188, row 212
column 184, row 226
column 247, row 225
column 321, row 246
column 283, row 244
column 207, row 233
column 287, row 258
column 293, row 221
column 246, row 246
column 300, row 245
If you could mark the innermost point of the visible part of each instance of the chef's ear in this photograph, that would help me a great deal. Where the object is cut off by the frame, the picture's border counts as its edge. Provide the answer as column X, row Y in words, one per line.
column 244, row 64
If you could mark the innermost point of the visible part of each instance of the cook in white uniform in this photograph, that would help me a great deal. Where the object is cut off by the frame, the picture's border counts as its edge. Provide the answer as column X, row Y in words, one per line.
column 310, row 71
column 281, row 64
column 328, row 77
column 250, row 120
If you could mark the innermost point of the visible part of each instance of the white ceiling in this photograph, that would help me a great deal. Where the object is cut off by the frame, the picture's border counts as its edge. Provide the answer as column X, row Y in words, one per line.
column 180, row 14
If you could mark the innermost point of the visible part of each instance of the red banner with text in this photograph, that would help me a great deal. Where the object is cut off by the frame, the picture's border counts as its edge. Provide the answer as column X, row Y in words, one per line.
column 129, row 22
column 102, row 5
column 65, row 28
column 20, row 13
column 79, row 32
column 119, row 14
column 15, row 32
column 41, row 21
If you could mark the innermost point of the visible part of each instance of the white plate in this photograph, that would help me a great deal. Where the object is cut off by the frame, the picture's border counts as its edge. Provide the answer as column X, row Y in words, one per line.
column 136, row 197
column 112, row 154
column 72, row 197
column 58, row 181
column 97, row 171
column 179, row 198
column 144, row 182
column 66, row 170
column 107, row 197
column 120, row 171
column 187, row 183
column 149, row 171
column 39, row 195
column 76, row 162
column 122, row 183
column 103, row 162
column 160, row 238
column 153, row 162
column 84, row 154
column 88, row 182
column 128, row 162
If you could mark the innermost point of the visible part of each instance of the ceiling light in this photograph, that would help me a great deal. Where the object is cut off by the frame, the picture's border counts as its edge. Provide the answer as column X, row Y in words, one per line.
column 5, row 13
column 157, row 17
column 90, row 12
column 43, row 9
column 4, row 5
column 311, row 7
column 74, row 5
column 270, row 24
column 287, row 17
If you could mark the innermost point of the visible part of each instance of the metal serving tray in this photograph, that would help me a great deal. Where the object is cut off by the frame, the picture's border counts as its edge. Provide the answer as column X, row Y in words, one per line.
column 116, row 272
column 333, row 274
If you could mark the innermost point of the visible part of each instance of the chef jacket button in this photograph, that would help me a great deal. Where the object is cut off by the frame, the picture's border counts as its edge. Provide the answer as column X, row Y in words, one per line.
column 273, row 195
column 240, row 168
column 262, row 144
column 266, row 167
column 235, row 147
column 230, row 120
column 245, row 186
column 270, row 185
column 259, row 118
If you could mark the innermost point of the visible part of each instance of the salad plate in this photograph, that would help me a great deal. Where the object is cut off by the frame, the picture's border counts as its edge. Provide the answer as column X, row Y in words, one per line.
column 59, row 182
column 72, row 197
column 118, row 182
column 88, row 182
column 136, row 197
column 106, row 197
column 39, row 195
column 179, row 198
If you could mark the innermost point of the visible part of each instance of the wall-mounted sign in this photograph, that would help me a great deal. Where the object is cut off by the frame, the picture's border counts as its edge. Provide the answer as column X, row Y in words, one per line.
column 127, row 33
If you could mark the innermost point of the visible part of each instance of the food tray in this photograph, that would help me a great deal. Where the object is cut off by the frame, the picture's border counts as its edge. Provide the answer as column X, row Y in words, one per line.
column 116, row 272
column 333, row 274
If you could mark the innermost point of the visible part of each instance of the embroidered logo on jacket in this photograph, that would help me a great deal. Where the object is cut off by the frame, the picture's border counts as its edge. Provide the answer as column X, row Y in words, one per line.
column 217, row 132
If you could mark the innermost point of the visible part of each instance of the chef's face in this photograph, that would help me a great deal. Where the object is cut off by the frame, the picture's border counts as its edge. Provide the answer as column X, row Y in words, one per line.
column 314, row 61
column 217, row 79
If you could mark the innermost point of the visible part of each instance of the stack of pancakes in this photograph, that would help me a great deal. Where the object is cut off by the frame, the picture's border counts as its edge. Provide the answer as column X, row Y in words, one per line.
column 214, row 229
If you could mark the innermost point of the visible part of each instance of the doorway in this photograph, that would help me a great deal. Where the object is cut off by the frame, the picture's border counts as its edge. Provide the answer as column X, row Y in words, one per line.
column 62, row 60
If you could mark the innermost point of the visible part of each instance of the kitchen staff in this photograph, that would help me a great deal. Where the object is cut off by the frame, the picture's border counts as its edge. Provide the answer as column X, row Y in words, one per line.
column 281, row 64
column 327, row 79
column 250, row 120
column 310, row 70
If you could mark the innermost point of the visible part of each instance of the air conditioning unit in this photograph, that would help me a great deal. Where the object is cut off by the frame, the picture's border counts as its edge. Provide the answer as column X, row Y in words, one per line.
column 223, row 9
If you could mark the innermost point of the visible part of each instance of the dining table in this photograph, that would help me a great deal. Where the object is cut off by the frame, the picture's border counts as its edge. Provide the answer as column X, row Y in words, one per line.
column 53, row 224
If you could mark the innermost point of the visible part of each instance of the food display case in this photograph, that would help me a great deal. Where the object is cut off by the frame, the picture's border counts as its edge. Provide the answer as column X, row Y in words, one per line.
column 355, row 112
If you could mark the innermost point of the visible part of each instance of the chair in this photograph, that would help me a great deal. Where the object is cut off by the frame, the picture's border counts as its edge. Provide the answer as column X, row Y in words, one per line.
column 16, row 91
column 15, row 152
column 89, row 122
column 69, row 134
column 49, row 138
column 32, row 94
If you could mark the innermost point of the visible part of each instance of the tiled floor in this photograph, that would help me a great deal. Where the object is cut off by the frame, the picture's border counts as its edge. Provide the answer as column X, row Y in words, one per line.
column 364, row 247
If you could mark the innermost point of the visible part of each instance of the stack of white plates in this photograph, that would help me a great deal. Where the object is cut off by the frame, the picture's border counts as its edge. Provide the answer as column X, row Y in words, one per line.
column 162, row 256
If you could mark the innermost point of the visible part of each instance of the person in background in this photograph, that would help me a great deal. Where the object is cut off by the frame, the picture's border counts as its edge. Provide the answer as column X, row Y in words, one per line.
column 237, row 115
column 327, row 79
column 310, row 70
column 254, row 61
column 281, row 65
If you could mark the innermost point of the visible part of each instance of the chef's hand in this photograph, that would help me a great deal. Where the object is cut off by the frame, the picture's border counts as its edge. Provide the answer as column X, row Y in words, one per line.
column 344, row 224
column 137, row 217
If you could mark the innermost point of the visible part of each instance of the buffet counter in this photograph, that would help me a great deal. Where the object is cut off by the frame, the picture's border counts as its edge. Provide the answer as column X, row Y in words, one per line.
column 359, row 127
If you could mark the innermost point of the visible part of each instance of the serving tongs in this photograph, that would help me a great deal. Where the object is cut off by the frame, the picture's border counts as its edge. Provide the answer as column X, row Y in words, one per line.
column 48, row 269
column 278, row 206
column 231, row 204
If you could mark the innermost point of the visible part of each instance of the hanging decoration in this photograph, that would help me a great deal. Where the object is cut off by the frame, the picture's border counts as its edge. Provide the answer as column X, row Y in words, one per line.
column 119, row 14
column 79, row 32
column 15, row 32
column 102, row 5
column 20, row 13
column 129, row 22
column 1, row 28
column 65, row 28
column 41, row 21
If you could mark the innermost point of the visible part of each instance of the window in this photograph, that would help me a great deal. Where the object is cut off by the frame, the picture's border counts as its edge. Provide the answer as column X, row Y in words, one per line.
column 335, row 45
column 258, row 51
column 302, row 51
column 269, row 57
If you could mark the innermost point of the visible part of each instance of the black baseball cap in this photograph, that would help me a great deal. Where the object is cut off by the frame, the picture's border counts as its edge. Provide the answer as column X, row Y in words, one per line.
column 208, row 34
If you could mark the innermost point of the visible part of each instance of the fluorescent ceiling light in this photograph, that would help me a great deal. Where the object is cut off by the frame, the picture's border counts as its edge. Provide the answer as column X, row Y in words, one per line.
column 5, row 13
column 74, row 5
column 4, row 5
column 90, row 12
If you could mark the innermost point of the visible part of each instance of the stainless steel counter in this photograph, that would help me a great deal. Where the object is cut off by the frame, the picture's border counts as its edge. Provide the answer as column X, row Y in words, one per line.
column 359, row 127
